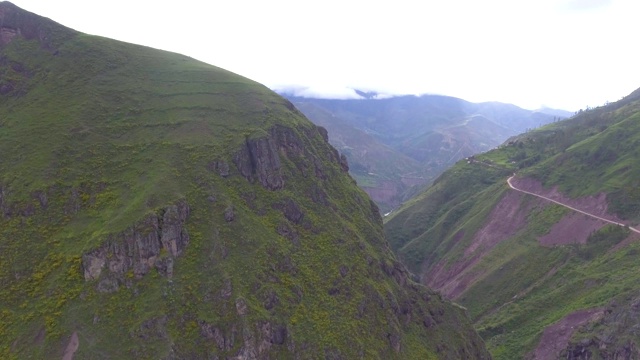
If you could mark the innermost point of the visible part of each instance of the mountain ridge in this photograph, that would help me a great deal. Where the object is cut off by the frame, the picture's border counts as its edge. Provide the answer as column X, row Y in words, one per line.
column 153, row 206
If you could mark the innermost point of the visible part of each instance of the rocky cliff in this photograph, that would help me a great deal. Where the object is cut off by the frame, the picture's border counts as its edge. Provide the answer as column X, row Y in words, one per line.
column 152, row 243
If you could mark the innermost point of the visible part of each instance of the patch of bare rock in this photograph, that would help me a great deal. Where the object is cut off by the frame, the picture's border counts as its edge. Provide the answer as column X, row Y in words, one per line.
column 555, row 337
column 508, row 216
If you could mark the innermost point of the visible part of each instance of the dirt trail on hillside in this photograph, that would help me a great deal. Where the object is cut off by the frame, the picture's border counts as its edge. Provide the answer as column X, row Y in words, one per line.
column 509, row 216
column 582, row 205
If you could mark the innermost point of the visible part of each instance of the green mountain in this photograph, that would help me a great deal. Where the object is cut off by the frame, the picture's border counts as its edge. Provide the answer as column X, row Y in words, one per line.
column 545, row 268
column 153, row 206
column 397, row 145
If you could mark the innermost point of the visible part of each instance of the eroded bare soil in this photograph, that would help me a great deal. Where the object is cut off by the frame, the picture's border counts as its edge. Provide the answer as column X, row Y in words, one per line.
column 573, row 228
column 505, row 220
column 596, row 204
column 555, row 337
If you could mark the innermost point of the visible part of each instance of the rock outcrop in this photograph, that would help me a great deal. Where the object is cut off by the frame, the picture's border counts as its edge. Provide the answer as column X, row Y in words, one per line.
column 256, row 342
column 153, row 242
column 612, row 336
column 260, row 158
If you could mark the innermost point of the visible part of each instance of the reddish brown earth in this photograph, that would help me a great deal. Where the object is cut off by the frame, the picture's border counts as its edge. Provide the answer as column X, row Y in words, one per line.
column 72, row 347
column 454, row 279
column 507, row 217
column 573, row 228
column 555, row 337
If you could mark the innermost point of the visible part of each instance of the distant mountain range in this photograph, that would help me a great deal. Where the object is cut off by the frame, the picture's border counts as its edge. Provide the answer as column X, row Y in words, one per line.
column 397, row 145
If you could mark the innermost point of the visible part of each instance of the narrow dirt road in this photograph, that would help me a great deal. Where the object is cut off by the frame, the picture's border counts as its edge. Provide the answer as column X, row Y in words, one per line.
column 569, row 207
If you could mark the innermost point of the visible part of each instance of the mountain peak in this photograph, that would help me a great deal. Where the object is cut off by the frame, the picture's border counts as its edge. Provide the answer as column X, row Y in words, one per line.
column 17, row 22
column 367, row 94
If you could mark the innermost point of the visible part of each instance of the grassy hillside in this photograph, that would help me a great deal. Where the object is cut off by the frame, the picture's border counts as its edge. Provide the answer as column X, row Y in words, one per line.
column 524, row 266
column 153, row 206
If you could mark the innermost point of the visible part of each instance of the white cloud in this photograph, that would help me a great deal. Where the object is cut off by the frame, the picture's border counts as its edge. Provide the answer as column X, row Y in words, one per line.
column 585, row 5
column 327, row 92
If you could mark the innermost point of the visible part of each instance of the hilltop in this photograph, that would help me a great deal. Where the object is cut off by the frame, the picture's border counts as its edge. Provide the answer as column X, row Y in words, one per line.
column 541, row 279
column 154, row 206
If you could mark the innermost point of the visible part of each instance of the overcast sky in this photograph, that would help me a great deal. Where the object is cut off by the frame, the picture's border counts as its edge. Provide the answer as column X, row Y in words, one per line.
column 566, row 54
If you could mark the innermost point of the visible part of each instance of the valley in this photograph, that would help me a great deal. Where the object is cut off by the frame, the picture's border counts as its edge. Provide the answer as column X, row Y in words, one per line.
column 544, row 260
column 396, row 146
column 154, row 206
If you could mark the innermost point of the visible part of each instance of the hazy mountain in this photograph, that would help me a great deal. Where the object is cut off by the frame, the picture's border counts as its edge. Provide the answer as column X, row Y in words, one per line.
column 153, row 206
column 383, row 172
column 432, row 131
column 541, row 279
column 560, row 114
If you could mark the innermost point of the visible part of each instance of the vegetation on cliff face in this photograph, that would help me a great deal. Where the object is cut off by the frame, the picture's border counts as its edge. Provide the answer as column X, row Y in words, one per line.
column 522, row 265
column 153, row 206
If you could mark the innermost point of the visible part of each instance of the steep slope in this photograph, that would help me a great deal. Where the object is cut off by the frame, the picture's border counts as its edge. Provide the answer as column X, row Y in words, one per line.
column 432, row 131
column 153, row 206
column 539, row 278
column 384, row 173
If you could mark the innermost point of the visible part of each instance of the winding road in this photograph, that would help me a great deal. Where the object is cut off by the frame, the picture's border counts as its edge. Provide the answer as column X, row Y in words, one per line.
column 569, row 207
